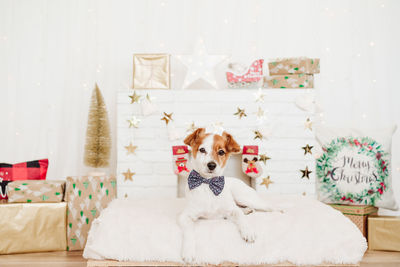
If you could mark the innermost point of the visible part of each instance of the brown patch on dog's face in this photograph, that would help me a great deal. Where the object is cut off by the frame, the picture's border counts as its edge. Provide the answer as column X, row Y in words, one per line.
column 195, row 139
column 222, row 148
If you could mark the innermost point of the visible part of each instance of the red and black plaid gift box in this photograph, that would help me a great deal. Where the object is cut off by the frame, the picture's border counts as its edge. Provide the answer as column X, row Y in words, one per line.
column 31, row 170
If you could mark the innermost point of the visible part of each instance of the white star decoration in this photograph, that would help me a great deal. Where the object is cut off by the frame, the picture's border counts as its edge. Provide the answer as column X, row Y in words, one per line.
column 259, row 95
column 200, row 65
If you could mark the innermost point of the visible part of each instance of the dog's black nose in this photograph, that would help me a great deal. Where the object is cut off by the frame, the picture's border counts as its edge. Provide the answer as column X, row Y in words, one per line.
column 211, row 165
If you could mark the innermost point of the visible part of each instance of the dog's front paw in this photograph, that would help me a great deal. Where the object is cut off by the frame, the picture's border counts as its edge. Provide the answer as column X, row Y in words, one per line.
column 188, row 254
column 248, row 234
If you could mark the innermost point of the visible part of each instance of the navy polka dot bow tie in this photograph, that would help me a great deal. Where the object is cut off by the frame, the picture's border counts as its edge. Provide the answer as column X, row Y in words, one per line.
column 216, row 183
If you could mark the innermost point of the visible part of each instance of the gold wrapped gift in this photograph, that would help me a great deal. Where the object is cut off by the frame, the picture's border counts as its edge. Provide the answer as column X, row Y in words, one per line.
column 151, row 71
column 384, row 233
column 32, row 227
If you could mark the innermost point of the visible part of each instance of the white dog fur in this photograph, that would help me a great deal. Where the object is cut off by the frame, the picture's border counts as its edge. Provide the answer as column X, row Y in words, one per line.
column 201, row 201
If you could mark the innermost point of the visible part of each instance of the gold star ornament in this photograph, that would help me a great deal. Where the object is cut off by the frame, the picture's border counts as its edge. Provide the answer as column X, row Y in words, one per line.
column 240, row 112
column 192, row 127
column 259, row 95
column 266, row 181
column 135, row 98
column 306, row 173
column 258, row 135
column 130, row 149
column 264, row 158
column 134, row 122
column 308, row 124
column 167, row 118
column 128, row 175
column 307, row 149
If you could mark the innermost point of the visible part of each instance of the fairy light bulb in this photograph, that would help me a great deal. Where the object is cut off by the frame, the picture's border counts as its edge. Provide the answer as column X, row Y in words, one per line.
column 364, row 116
column 226, row 21
column 372, row 44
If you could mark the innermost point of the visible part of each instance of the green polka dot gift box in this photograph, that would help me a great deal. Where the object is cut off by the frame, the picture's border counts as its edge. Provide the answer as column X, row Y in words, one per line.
column 35, row 191
column 86, row 197
column 296, row 65
column 289, row 81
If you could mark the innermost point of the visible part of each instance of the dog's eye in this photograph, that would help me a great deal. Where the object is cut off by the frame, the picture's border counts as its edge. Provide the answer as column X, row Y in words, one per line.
column 202, row 150
column 221, row 152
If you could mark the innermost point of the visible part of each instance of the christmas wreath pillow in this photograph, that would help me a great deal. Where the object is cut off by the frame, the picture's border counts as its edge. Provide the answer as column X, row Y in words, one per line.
column 31, row 170
column 355, row 167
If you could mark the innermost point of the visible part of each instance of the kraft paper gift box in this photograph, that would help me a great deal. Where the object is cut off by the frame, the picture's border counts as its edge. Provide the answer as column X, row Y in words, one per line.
column 34, row 191
column 151, row 71
column 32, row 227
column 289, row 81
column 294, row 66
column 86, row 196
column 357, row 214
column 384, row 233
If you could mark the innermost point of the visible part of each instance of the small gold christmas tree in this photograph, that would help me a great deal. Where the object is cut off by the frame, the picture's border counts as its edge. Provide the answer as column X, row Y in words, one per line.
column 98, row 141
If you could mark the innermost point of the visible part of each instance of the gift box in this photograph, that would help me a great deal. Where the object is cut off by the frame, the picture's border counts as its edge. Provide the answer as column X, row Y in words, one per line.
column 34, row 191
column 86, row 196
column 32, row 227
column 151, row 71
column 384, row 233
column 289, row 81
column 294, row 66
column 357, row 214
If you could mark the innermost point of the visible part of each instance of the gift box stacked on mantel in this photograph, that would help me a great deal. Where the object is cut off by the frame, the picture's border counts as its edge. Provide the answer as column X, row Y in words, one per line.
column 47, row 215
column 292, row 73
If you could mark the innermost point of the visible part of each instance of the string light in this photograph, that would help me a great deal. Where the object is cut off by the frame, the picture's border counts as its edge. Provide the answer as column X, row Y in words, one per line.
column 364, row 116
column 327, row 49
column 374, row 81
column 38, row 83
column 358, row 55
column 382, row 5
column 162, row 3
column 226, row 21
column 16, row 133
column 371, row 44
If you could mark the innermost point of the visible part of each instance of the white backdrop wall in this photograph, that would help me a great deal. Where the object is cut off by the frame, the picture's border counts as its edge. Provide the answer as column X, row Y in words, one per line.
column 52, row 52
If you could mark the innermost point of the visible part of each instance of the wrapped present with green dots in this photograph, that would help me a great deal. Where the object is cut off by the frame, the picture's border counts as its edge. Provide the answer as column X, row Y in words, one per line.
column 35, row 191
column 86, row 197
column 295, row 65
column 289, row 81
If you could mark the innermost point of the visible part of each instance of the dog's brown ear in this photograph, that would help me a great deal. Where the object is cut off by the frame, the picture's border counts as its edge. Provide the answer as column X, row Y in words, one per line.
column 231, row 144
column 190, row 140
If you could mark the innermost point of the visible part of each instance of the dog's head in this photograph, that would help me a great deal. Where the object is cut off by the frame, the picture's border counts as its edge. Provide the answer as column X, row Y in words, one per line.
column 210, row 152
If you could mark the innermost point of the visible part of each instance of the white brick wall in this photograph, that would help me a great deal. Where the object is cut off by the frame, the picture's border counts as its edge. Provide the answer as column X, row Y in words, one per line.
column 152, row 162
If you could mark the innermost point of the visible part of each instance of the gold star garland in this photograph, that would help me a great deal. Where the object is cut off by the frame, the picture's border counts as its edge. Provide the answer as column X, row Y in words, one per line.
column 134, row 122
column 167, row 118
column 307, row 149
column 135, row 98
column 240, row 112
column 258, row 135
column 128, row 175
column 267, row 181
column 264, row 158
column 306, row 173
column 130, row 149
column 192, row 127
column 308, row 124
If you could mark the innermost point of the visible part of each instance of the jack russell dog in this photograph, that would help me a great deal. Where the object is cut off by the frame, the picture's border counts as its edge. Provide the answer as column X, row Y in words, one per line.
column 211, row 195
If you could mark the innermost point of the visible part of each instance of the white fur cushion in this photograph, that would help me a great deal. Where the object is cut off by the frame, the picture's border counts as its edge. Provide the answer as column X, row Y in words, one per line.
column 309, row 232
